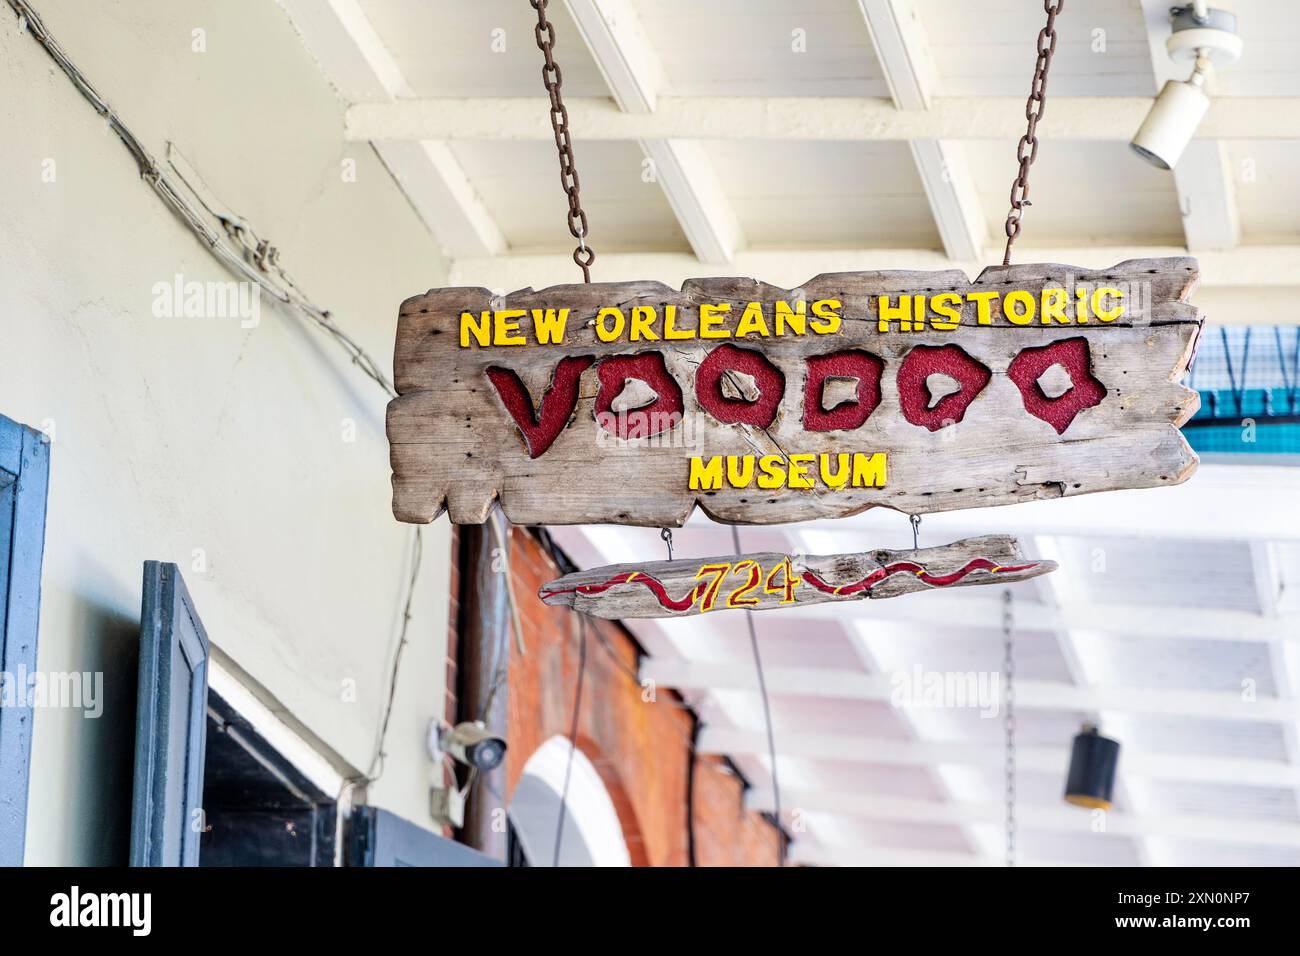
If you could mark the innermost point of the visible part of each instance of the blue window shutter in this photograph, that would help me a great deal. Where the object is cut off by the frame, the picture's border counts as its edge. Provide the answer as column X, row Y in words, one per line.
column 171, row 724
column 380, row 838
column 24, row 480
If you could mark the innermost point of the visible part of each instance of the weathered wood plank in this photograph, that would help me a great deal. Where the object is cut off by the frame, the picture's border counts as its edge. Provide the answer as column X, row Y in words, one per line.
column 458, row 444
column 761, row 582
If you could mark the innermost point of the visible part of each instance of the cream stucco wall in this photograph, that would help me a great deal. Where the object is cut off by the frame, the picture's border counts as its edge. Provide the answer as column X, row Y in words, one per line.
column 176, row 434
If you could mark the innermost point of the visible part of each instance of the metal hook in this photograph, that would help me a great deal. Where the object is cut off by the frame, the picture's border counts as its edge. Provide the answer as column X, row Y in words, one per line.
column 667, row 535
column 916, row 531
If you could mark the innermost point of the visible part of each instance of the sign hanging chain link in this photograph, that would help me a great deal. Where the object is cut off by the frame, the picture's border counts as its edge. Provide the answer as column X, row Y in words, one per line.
column 1027, row 150
column 1009, row 721
column 553, row 80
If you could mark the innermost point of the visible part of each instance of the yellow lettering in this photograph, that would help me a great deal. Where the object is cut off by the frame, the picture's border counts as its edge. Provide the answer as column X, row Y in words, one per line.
column 740, row 470
column 480, row 329
column 642, row 316
column 983, row 302
column 711, row 321
column 752, row 321
column 773, row 469
column 1081, row 306
column 671, row 332
column 606, row 334
column 549, row 325
column 706, row 475
column 946, row 304
column 796, row 319
column 828, row 310
column 1053, row 309
column 1099, row 308
column 798, row 477
column 869, row 471
column 505, row 328
column 901, row 313
column 840, row 477
column 1018, row 307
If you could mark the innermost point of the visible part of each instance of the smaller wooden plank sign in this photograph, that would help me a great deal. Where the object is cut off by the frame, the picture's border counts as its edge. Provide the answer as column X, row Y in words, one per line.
column 760, row 582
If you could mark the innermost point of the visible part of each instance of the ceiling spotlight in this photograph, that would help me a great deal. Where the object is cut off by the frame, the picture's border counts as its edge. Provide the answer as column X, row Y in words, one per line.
column 1207, row 39
column 1093, row 760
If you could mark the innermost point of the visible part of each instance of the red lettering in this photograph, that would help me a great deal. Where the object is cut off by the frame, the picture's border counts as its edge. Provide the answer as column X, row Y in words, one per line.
column 661, row 415
column 768, row 379
column 914, row 391
column 541, row 428
column 851, row 363
column 1085, row 389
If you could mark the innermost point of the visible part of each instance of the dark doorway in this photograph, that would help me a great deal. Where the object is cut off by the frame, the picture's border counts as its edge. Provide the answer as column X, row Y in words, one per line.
column 259, row 809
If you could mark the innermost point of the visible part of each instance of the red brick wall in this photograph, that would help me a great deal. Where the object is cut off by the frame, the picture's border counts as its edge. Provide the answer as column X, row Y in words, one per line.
column 641, row 749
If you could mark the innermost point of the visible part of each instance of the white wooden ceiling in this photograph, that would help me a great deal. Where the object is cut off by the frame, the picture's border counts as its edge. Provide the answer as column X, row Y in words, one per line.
column 792, row 137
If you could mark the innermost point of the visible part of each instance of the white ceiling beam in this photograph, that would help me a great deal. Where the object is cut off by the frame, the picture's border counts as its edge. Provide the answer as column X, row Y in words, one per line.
column 833, row 684
column 1206, row 195
column 1057, row 590
column 698, row 200
column 1248, row 267
column 631, row 68
column 850, row 748
column 1284, row 659
column 354, row 57
column 624, row 54
column 1267, row 575
column 954, row 203
column 862, row 646
column 436, row 185
column 903, row 52
column 1060, row 819
column 843, row 118
column 909, row 69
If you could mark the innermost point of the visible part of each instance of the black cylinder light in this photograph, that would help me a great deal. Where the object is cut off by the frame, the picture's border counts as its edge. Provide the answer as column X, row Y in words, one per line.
column 1093, row 760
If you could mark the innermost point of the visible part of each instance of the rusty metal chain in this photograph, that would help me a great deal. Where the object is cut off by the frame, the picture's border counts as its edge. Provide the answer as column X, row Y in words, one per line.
column 1027, row 150
column 553, row 80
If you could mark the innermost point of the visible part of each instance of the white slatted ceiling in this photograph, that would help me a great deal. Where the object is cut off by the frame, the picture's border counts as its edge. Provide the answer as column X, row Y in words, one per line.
column 520, row 185
column 445, row 47
column 751, row 48
column 985, row 48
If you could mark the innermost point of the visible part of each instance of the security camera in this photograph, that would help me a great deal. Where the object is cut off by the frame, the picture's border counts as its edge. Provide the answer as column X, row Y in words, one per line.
column 1207, row 39
column 470, row 743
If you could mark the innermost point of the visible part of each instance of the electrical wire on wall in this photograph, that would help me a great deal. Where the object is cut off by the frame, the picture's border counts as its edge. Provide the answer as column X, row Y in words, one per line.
column 256, row 260
column 767, row 720
column 573, row 736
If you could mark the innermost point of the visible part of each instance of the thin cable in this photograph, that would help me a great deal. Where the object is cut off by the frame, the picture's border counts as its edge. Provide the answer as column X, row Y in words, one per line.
column 1009, row 721
column 417, row 558
column 573, row 736
column 767, row 720
column 263, row 255
column 696, row 726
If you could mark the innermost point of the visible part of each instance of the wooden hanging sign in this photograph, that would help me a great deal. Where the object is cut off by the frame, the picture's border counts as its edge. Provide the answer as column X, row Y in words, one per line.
column 631, row 403
column 760, row 582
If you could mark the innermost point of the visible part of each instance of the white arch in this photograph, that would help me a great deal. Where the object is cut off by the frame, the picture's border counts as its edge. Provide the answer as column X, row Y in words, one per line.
column 593, row 835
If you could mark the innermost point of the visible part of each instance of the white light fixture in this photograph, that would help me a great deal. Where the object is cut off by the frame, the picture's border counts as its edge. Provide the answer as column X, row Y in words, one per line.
column 1206, row 38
